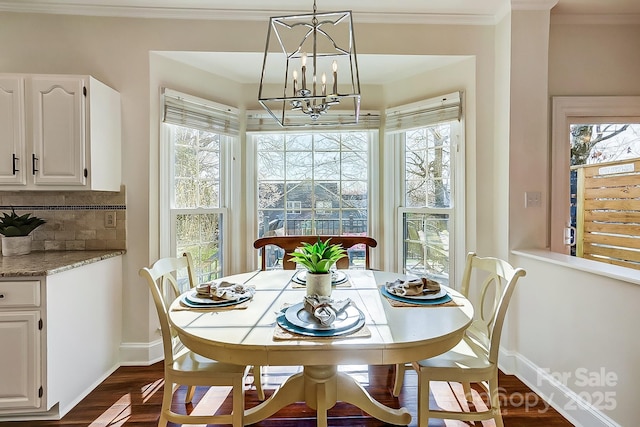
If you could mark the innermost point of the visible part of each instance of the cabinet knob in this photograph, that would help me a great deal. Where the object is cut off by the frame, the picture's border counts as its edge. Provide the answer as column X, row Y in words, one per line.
column 1, row 296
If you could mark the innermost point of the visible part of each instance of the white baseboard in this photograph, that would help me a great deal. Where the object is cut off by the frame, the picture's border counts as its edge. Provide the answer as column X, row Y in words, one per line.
column 70, row 405
column 564, row 400
column 137, row 354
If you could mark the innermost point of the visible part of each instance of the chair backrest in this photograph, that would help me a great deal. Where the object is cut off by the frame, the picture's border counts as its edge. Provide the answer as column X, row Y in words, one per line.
column 162, row 280
column 291, row 243
column 498, row 280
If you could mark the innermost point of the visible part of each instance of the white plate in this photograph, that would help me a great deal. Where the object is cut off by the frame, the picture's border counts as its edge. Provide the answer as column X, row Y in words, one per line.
column 337, row 277
column 298, row 316
column 193, row 298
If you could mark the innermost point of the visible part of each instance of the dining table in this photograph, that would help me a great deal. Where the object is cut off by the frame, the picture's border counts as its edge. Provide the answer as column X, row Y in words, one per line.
column 258, row 332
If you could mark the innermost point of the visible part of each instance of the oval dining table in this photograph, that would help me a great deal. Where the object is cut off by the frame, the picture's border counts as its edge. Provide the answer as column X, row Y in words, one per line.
column 250, row 335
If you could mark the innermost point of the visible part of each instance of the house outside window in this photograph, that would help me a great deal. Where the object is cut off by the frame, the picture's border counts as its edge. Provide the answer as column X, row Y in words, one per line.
column 313, row 183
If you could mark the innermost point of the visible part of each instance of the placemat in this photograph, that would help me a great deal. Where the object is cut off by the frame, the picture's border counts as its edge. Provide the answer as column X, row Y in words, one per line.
column 281, row 334
column 240, row 306
column 396, row 303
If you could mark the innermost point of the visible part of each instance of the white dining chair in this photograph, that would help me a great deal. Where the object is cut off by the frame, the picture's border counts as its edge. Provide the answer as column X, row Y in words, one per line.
column 255, row 370
column 181, row 365
column 475, row 358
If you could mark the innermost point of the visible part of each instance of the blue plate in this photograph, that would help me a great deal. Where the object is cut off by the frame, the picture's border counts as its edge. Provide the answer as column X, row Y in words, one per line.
column 286, row 325
column 193, row 304
column 415, row 301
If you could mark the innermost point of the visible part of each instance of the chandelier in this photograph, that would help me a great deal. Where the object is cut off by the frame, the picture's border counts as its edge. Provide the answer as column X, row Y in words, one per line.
column 313, row 57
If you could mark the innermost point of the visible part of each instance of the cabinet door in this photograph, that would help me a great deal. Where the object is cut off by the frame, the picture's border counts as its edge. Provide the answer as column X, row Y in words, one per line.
column 20, row 360
column 12, row 131
column 58, row 123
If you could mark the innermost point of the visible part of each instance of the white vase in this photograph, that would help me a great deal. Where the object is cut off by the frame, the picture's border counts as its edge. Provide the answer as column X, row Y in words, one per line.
column 16, row 245
column 318, row 284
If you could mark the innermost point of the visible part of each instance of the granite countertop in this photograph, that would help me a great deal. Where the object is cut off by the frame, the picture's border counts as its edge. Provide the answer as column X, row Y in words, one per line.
column 47, row 263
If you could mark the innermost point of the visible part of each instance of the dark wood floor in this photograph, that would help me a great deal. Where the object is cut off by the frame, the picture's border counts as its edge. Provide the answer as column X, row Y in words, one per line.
column 132, row 397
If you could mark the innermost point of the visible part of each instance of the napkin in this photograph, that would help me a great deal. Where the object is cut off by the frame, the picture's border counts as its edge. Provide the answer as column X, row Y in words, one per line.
column 413, row 287
column 225, row 291
column 324, row 308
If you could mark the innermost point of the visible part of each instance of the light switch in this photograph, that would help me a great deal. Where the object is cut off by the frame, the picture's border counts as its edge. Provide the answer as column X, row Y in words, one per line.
column 532, row 199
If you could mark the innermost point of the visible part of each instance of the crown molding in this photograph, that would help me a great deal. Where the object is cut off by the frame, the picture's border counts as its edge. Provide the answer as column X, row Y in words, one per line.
column 533, row 4
column 593, row 19
column 237, row 14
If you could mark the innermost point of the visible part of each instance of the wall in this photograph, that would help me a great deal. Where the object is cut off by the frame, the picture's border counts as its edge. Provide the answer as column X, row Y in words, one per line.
column 567, row 322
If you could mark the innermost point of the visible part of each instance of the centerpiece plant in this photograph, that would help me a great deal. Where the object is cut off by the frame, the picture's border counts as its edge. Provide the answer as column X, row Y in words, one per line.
column 15, row 230
column 317, row 259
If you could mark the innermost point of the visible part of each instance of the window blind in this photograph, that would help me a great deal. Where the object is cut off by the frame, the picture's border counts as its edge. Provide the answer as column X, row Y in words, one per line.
column 260, row 121
column 198, row 113
column 424, row 113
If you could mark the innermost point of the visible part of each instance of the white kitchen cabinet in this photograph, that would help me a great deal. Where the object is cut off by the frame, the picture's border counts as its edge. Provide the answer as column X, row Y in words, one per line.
column 12, row 130
column 60, row 335
column 63, row 132
column 20, row 334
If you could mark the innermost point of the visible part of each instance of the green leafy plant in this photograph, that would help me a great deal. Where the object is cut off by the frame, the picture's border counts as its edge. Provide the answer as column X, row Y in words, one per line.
column 12, row 225
column 319, row 257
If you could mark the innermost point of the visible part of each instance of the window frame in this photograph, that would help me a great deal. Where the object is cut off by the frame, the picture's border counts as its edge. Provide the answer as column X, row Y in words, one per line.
column 568, row 110
column 168, row 212
column 373, row 184
column 456, row 211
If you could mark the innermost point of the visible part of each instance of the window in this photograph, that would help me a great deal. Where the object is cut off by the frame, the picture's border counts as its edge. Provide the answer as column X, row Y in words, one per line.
column 596, row 165
column 313, row 183
column 196, row 132
column 427, row 137
column 294, row 206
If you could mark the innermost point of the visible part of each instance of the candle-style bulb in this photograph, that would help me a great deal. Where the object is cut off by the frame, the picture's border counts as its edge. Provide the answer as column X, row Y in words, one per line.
column 335, row 78
column 304, row 71
column 295, row 82
column 324, row 84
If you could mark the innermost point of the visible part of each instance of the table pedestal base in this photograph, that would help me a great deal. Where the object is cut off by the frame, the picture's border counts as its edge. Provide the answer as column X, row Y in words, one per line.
column 320, row 387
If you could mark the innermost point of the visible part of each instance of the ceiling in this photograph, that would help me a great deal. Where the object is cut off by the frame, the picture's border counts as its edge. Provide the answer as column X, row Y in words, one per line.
column 242, row 67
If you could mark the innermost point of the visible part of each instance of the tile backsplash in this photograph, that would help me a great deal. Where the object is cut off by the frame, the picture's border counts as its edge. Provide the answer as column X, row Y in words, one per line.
column 76, row 220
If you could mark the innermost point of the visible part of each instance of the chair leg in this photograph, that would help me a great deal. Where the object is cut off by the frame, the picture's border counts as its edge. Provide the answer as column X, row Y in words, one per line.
column 190, row 392
column 423, row 400
column 399, row 379
column 495, row 401
column 167, row 396
column 466, row 387
column 257, row 380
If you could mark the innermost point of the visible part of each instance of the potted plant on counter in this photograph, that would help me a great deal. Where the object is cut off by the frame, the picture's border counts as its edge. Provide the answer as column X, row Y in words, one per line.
column 15, row 230
column 318, row 260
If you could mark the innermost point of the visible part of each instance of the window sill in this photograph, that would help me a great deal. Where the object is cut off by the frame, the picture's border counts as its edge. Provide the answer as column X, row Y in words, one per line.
column 607, row 270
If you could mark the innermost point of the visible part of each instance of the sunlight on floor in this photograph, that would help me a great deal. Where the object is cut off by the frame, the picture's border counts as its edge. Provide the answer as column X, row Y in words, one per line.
column 274, row 376
column 450, row 397
column 150, row 389
column 117, row 414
